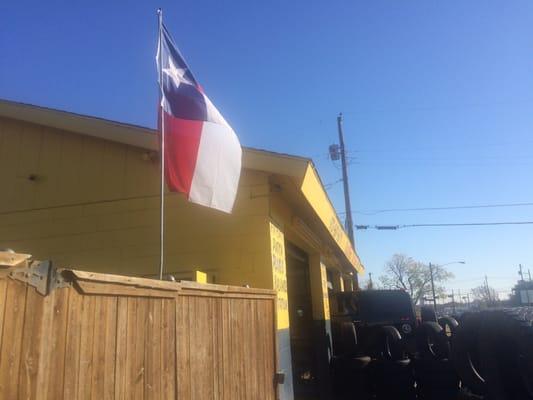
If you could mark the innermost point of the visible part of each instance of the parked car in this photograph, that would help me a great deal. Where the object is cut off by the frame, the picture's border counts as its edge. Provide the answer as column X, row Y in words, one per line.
column 373, row 313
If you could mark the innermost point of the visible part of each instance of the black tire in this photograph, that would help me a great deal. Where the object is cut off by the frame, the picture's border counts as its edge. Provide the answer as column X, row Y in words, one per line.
column 431, row 342
column 393, row 379
column 350, row 374
column 465, row 353
column 465, row 394
column 345, row 341
column 449, row 325
column 506, row 353
column 391, row 343
column 436, row 379
column 427, row 314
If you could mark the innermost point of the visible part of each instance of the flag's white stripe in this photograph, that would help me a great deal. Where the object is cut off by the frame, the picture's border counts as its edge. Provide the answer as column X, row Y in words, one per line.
column 213, row 114
column 218, row 167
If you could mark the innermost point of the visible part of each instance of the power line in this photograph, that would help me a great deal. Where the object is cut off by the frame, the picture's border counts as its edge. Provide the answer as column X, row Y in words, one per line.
column 328, row 186
column 396, row 227
column 385, row 210
column 440, row 107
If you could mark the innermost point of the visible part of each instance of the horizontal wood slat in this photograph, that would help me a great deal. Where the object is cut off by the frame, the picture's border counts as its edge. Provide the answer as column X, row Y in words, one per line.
column 115, row 337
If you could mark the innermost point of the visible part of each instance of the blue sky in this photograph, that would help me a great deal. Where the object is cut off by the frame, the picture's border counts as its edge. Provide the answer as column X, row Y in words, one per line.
column 437, row 98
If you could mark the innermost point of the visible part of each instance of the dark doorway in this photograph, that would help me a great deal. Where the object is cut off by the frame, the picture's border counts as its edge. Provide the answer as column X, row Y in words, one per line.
column 304, row 366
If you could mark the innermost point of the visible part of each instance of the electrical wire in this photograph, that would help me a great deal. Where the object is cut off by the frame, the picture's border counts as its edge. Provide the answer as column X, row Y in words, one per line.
column 385, row 210
column 441, row 107
column 328, row 186
column 444, row 225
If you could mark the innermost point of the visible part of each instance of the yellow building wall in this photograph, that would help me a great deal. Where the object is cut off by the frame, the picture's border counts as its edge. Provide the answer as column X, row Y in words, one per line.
column 317, row 197
column 94, row 204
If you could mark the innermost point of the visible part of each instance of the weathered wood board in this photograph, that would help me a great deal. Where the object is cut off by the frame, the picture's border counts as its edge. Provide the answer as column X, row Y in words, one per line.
column 112, row 337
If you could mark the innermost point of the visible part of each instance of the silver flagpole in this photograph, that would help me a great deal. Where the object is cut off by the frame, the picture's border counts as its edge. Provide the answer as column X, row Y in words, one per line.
column 162, row 155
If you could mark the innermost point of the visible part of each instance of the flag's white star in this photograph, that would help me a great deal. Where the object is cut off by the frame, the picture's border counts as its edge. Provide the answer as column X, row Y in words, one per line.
column 177, row 74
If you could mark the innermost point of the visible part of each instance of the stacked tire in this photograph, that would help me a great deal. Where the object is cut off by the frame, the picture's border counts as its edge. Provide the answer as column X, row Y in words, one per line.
column 493, row 353
column 350, row 368
column 435, row 375
column 391, row 371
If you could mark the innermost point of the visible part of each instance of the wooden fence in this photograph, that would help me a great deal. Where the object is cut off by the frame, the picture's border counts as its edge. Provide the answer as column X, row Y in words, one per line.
column 80, row 335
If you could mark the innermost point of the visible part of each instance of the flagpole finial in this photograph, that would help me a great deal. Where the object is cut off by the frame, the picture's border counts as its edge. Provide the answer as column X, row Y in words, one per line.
column 159, row 11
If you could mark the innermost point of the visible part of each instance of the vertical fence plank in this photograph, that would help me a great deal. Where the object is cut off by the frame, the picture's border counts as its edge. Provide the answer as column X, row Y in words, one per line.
column 153, row 351
column 3, row 293
column 42, row 338
column 201, row 348
column 72, row 347
column 110, row 348
column 139, row 335
column 85, row 369
column 121, row 349
column 254, row 366
column 30, row 350
column 169, row 366
column 12, row 339
column 57, row 342
column 266, row 347
column 249, row 350
column 219, row 349
column 98, row 356
column 225, row 349
column 238, row 359
column 131, row 373
column 183, row 336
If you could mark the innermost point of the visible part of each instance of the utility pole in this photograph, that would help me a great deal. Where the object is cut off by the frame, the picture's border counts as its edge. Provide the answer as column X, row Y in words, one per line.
column 433, row 287
column 527, row 288
column 370, row 283
column 488, row 289
column 453, row 301
column 348, row 207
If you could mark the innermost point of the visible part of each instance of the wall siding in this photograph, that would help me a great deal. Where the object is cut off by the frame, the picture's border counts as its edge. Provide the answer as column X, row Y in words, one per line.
column 94, row 204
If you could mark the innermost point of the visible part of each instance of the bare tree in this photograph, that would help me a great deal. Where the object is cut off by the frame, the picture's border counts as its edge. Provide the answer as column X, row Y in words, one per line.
column 485, row 294
column 403, row 272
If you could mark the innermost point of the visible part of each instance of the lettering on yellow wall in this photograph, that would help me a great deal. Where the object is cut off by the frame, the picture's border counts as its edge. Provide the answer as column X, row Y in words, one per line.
column 324, row 278
column 279, row 274
column 318, row 199
column 342, row 240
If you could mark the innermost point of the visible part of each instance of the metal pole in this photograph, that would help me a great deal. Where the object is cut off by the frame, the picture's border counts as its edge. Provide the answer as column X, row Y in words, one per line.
column 348, row 221
column 488, row 290
column 162, row 156
column 453, row 302
column 527, row 288
column 433, row 287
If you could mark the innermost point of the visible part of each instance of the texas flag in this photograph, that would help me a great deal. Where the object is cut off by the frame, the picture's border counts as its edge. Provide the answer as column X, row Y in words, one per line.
column 202, row 152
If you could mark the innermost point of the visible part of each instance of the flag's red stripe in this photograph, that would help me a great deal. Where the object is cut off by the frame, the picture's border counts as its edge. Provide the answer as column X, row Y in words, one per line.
column 182, row 139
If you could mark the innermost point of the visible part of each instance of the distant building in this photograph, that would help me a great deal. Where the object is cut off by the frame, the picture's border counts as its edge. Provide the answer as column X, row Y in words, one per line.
column 522, row 293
